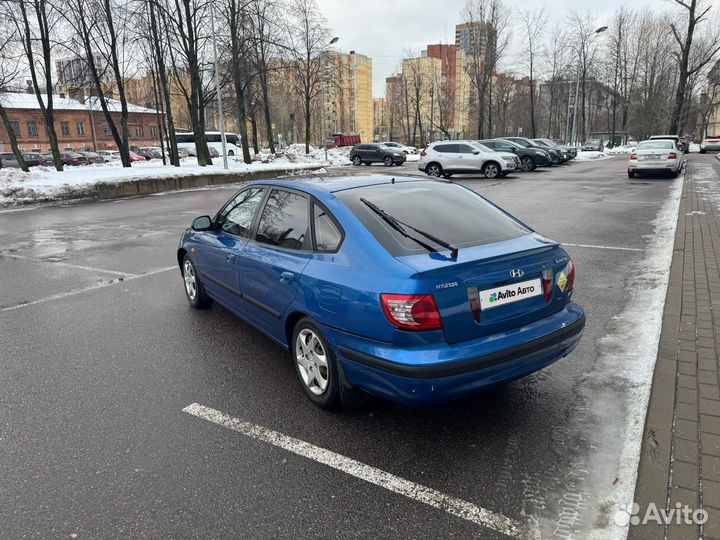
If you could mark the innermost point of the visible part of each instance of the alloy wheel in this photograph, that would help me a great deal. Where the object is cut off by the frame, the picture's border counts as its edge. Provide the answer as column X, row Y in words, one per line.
column 312, row 361
column 190, row 281
column 491, row 170
column 434, row 170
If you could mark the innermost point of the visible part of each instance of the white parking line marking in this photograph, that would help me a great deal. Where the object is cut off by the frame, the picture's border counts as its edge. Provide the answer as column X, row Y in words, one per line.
column 87, row 289
column 601, row 247
column 63, row 263
column 401, row 486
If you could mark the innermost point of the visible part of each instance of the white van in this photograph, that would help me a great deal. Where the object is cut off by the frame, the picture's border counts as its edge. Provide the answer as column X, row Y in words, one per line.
column 214, row 138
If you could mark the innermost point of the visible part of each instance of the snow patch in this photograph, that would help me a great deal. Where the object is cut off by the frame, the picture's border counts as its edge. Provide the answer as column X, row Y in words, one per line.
column 591, row 156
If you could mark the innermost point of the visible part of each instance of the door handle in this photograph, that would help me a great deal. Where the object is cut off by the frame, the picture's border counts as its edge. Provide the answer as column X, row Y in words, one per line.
column 286, row 277
column 230, row 258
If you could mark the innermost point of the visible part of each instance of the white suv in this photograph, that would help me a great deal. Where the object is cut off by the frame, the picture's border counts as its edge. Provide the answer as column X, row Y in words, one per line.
column 446, row 158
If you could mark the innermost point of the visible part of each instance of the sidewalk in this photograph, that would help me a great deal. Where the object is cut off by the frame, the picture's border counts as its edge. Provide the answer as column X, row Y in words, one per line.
column 680, row 456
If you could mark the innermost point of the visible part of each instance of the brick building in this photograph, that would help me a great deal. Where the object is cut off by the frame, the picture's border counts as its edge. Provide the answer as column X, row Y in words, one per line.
column 79, row 123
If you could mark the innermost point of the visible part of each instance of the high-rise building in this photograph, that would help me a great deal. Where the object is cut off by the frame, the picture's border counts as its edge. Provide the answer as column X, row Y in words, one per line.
column 346, row 101
column 472, row 37
column 455, row 89
column 712, row 103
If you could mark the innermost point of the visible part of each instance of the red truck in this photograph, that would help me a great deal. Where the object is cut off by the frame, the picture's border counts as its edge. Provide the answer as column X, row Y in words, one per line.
column 339, row 139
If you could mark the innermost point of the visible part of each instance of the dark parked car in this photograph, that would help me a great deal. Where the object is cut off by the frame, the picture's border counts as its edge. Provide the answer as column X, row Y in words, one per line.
column 593, row 145
column 555, row 155
column 376, row 153
column 150, row 152
column 74, row 159
column 33, row 159
column 92, row 157
column 563, row 151
column 8, row 160
column 530, row 158
column 571, row 148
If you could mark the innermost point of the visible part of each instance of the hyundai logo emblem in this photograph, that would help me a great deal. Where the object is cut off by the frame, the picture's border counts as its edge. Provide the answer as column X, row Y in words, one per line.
column 517, row 273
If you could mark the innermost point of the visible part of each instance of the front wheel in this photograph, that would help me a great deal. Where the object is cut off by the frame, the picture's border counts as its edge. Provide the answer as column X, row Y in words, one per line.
column 388, row 161
column 631, row 174
column 491, row 170
column 194, row 289
column 315, row 364
column 434, row 169
column 357, row 161
column 527, row 164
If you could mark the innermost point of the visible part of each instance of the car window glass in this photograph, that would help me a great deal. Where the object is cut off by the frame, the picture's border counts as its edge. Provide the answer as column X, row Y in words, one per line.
column 655, row 145
column 327, row 235
column 241, row 212
column 465, row 149
column 448, row 211
column 284, row 221
column 446, row 148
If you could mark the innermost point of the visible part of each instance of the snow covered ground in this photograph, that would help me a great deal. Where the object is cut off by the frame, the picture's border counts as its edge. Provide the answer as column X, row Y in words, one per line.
column 44, row 183
column 589, row 156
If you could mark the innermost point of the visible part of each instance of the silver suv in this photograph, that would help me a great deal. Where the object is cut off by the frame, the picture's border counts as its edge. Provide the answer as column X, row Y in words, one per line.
column 446, row 158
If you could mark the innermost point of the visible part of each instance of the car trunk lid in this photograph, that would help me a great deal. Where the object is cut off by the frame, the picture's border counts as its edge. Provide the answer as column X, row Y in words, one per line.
column 494, row 287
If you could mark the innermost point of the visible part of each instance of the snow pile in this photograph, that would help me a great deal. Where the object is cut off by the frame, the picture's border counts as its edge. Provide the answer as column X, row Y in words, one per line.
column 590, row 156
column 295, row 153
column 45, row 183
column 625, row 149
column 694, row 148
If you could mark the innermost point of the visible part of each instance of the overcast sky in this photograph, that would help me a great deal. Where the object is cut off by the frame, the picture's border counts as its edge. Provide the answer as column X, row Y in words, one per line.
column 385, row 29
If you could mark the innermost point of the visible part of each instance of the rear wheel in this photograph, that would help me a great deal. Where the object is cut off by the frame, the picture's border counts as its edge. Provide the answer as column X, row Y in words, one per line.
column 434, row 169
column 491, row 170
column 357, row 161
column 315, row 364
column 631, row 174
column 388, row 161
column 194, row 289
column 527, row 163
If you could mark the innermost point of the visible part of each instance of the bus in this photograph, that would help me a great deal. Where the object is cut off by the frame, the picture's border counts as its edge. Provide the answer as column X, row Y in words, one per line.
column 214, row 138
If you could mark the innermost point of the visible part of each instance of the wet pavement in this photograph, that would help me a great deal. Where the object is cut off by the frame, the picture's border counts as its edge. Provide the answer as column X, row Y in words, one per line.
column 100, row 353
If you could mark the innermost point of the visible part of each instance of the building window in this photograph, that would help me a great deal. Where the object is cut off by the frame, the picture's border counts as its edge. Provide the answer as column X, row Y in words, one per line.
column 153, row 131
column 32, row 129
column 139, row 131
column 65, row 128
column 15, row 126
column 80, row 126
column 106, row 130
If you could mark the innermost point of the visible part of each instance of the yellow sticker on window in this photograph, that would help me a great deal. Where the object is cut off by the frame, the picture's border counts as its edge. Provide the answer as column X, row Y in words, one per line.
column 562, row 281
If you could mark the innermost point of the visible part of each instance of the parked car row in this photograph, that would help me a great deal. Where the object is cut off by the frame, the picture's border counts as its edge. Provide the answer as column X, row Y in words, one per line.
column 492, row 157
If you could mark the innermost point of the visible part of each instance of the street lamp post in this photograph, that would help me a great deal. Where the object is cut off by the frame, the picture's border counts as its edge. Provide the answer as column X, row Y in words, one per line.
column 323, row 107
column 581, row 58
column 223, row 137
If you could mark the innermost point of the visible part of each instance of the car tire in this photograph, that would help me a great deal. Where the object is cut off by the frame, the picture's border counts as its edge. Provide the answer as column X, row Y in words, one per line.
column 491, row 170
column 194, row 290
column 388, row 161
column 527, row 164
column 631, row 174
column 434, row 169
column 702, row 151
column 315, row 364
column 357, row 161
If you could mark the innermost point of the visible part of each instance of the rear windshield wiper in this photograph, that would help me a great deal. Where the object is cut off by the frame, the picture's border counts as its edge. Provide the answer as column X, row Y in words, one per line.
column 396, row 224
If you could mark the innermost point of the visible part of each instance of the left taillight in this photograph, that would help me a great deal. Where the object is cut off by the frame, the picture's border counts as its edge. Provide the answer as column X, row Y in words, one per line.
column 417, row 312
column 548, row 283
column 633, row 156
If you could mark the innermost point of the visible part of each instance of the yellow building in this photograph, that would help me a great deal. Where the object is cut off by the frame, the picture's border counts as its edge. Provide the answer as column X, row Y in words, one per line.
column 346, row 101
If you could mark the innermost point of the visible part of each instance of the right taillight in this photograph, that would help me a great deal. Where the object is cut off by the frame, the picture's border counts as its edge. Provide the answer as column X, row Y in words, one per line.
column 633, row 156
column 415, row 312
column 672, row 155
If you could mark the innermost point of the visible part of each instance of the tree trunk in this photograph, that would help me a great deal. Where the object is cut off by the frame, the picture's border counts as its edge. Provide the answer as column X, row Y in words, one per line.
column 253, row 126
column 307, row 120
column 683, row 76
column 13, row 140
column 266, row 111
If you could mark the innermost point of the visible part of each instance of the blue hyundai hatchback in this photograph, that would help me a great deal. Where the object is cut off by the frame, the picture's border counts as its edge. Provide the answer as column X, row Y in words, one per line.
column 415, row 290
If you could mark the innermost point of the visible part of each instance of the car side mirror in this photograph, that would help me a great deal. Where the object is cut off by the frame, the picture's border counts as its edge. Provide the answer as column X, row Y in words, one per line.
column 476, row 152
column 202, row 223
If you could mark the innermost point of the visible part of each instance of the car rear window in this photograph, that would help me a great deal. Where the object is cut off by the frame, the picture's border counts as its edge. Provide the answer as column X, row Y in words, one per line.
column 449, row 212
column 655, row 145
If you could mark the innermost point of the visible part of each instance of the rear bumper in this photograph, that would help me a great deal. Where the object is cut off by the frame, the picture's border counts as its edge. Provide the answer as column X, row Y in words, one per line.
column 439, row 373
column 654, row 167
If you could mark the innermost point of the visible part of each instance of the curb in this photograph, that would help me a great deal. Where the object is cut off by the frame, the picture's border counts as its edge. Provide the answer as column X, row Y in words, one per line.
column 158, row 184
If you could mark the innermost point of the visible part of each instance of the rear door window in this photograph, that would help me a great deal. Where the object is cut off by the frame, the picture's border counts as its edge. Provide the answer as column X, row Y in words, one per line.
column 284, row 221
column 447, row 148
column 449, row 212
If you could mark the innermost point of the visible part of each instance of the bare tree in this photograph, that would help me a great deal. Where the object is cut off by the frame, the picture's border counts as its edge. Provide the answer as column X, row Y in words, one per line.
column 693, row 55
column 34, row 23
column 10, row 69
column 238, row 22
column 534, row 23
column 309, row 41
column 489, row 37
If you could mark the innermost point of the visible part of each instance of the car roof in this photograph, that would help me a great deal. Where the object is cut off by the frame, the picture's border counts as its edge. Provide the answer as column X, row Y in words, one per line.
column 317, row 185
column 664, row 137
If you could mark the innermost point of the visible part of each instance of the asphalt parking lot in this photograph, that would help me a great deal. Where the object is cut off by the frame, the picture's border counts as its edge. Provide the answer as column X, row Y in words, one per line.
column 101, row 353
